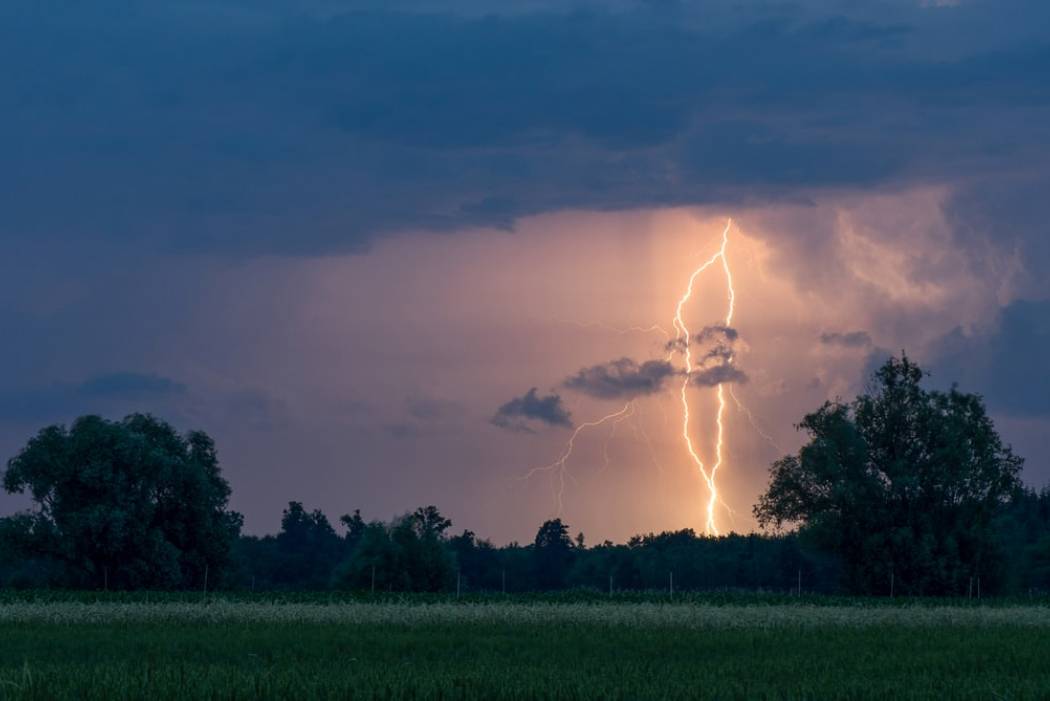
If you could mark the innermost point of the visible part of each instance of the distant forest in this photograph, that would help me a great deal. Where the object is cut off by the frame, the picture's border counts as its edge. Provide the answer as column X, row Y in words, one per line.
column 419, row 553
column 903, row 491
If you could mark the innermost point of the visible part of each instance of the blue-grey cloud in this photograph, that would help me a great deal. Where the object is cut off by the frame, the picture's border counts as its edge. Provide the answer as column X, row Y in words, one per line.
column 521, row 413
column 718, row 374
column 97, row 394
column 717, row 332
column 1007, row 363
column 622, row 378
column 258, row 128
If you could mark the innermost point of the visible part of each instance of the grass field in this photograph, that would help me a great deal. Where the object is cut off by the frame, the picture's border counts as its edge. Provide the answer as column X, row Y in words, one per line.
column 60, row 646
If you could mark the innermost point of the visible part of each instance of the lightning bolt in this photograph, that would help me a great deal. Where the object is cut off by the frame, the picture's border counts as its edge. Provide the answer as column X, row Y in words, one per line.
column 640, row 430
column 754, row 422
column 682, row 341
column 612, row 434
column 559, row 467
column 621, row 330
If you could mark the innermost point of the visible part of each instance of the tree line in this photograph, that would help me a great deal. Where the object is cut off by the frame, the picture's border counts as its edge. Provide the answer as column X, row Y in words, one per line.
column 903, row 491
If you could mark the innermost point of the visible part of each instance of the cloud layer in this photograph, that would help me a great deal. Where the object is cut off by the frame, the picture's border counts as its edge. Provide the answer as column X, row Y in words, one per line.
column 247, row 129
column 621, row 379
column 522, row 413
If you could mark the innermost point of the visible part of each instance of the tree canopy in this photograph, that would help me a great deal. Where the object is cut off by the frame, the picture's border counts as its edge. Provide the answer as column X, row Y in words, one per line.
column 902, row 484
column 121, row 504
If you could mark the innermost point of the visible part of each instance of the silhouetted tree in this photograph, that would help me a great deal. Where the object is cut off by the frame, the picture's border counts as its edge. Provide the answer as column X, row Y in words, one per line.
column 902, row 482
column 410, row 554
column 477, row 560
column 355, row 527
column 372, row 562
column 552, row 554
column 307, row 549
column 122, row 504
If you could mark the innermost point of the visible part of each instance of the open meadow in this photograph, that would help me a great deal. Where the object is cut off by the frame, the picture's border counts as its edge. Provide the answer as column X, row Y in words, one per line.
column 634, row 647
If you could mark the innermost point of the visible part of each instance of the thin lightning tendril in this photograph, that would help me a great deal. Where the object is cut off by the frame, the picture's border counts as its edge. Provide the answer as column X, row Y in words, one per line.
column 754, row 422
column 622, row 330
column 559, row 467
column 612, row 434
column 640, row 430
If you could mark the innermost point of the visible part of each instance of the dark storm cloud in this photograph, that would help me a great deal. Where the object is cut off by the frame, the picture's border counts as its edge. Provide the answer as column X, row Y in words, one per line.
column 848, row 339
column 721, row 373
column 520, row 412
column 623, row 378
column 1008, row 363
column 720, row 334
column 717, row 332
column 61, row 401
column 250, row 128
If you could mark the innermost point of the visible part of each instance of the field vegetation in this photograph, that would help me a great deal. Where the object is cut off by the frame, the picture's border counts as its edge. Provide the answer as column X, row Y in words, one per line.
column 520, row 648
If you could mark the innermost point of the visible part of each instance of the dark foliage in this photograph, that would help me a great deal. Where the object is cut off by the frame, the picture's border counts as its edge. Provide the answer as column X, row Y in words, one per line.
column 118, row 504
column 902, row 485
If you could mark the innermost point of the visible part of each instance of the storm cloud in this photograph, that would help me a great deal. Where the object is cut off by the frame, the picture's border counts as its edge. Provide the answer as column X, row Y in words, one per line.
column 1007, row 362
column 254, row 128
column 717, row 332
column 98, row 394
column 521, row 413
column 722, row 373
column 623, row 378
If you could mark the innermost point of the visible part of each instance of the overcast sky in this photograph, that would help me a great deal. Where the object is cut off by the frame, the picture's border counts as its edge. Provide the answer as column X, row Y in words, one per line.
column 347, row 239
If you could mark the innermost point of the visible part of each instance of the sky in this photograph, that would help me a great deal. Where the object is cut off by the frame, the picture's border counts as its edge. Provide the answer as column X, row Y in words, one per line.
column 394, row 254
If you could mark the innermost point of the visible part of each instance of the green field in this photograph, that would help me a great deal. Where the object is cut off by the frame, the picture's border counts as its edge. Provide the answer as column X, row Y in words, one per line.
column 316, row 647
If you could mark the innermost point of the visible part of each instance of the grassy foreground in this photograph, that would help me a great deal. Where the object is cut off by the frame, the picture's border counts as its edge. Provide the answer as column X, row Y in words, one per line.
column 523, row 650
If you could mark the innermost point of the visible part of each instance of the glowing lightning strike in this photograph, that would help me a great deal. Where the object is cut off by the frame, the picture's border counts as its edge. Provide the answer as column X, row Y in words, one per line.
column 560, row 464
column 682, row 339
column 681, row 342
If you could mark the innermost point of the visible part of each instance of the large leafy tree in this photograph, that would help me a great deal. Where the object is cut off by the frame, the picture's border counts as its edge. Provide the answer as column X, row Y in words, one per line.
column 902, row 484
column 123, row 504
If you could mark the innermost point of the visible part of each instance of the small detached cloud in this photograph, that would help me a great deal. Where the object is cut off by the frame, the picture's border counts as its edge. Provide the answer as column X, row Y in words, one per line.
column 716, row 362
column 849, row 339
column 717, row 332
column 720, row 374
column 623, row 378
column 520, row 412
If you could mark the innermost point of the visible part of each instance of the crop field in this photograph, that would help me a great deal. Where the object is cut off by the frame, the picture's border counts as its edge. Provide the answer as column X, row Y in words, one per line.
column 312, row 647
